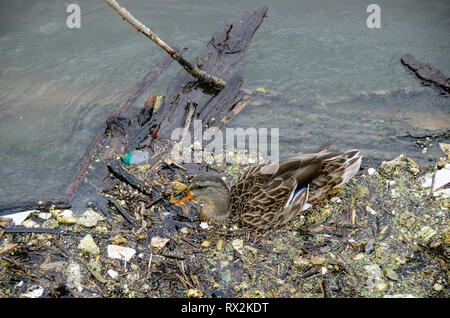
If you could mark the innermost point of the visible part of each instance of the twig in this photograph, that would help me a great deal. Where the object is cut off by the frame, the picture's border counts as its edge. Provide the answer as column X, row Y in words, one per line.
column 433, row 180
column 189, row 67
column 122, row 212
column 153, row 202
column 120, row 173
column 31, row 230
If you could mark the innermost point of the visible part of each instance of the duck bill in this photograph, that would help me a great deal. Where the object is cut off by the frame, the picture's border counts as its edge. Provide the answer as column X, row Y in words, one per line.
column 187, row 197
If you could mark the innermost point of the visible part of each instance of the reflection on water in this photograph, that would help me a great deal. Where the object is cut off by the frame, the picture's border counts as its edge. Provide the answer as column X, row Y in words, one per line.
column 58, row 84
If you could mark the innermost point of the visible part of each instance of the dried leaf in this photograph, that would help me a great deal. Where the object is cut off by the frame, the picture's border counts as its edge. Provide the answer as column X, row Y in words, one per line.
column 158, row 242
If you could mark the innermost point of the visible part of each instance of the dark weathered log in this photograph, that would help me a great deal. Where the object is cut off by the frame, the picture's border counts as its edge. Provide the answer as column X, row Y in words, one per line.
column 43, row 205
column 115, row 167
column 426, row 71
column 99, row 139
column 225, row 57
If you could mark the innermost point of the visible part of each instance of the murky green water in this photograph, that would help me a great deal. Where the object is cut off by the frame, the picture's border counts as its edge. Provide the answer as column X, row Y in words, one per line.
column 59, row 84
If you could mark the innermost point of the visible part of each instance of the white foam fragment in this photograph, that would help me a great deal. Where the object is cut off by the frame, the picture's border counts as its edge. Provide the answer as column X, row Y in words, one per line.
column 18, row 218
column 441, row 179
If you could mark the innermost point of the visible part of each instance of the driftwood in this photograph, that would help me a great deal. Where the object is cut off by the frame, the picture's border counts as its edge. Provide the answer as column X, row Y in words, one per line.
column 426, row 71
column 123, row 212
column 34, row 205
column 190, row 68
column 224, row 56
column 115, row 167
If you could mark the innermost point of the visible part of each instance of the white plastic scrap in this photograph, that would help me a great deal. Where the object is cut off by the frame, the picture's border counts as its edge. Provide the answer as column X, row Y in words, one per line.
column 441, row 179
column 18, row 218
column 120, row 252
column 35, row 293
column 113, row 273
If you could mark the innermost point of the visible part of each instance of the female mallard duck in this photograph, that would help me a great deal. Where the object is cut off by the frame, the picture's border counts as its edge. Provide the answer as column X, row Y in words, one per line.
column 271, row 194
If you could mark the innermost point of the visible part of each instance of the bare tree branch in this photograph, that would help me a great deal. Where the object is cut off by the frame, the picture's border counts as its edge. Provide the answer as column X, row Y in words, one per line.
column 189, row 67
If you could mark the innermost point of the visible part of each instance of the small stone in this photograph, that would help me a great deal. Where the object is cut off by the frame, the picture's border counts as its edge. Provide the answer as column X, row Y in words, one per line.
column 96, row 270
column 193, row 293
column 369, row 247
column 205, row 244
column 445, row 236
column 335, row 200
column 371, row 171
column 360, row 191
column 50, row 224
column 394, row 194
column 119, row 240
column 325, row 212
column 358, row 257
column 301, row 262
column 89, row 218
column 73, row 276
column 120, row 252
column 406, row 219
column 445, row 148
column 317, row 260
column 219, row 245
column 243, row 285
column 87, row 245
column 64, row 216
column 44, row 215
column 438, row 287
column 391, row 168
column 323, row 270
column 374, row 277
column 391, row 274
column 158, row 242
column 30, row 224
column 238, row 245
column 382, row 287
column 391, row 183
column 370, row 210
column 413, row 166
column 426, row 233
column 184, row 230
column 204, row 225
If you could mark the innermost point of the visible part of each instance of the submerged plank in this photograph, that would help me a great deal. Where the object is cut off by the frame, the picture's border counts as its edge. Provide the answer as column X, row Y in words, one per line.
column 426, row 71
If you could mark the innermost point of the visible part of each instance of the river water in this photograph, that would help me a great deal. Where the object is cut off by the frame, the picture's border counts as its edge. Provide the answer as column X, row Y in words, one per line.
column 59, row 84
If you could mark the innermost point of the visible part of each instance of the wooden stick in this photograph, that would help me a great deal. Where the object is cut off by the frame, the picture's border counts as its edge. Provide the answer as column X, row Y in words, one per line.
column 189, row 67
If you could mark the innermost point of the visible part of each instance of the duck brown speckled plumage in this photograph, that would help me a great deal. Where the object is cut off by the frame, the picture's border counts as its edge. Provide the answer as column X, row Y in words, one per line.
column 272, row 194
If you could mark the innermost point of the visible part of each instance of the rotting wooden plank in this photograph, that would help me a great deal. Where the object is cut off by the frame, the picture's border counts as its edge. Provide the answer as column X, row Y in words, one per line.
column 224, row 57
column 34, row 205
column 426, row 71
